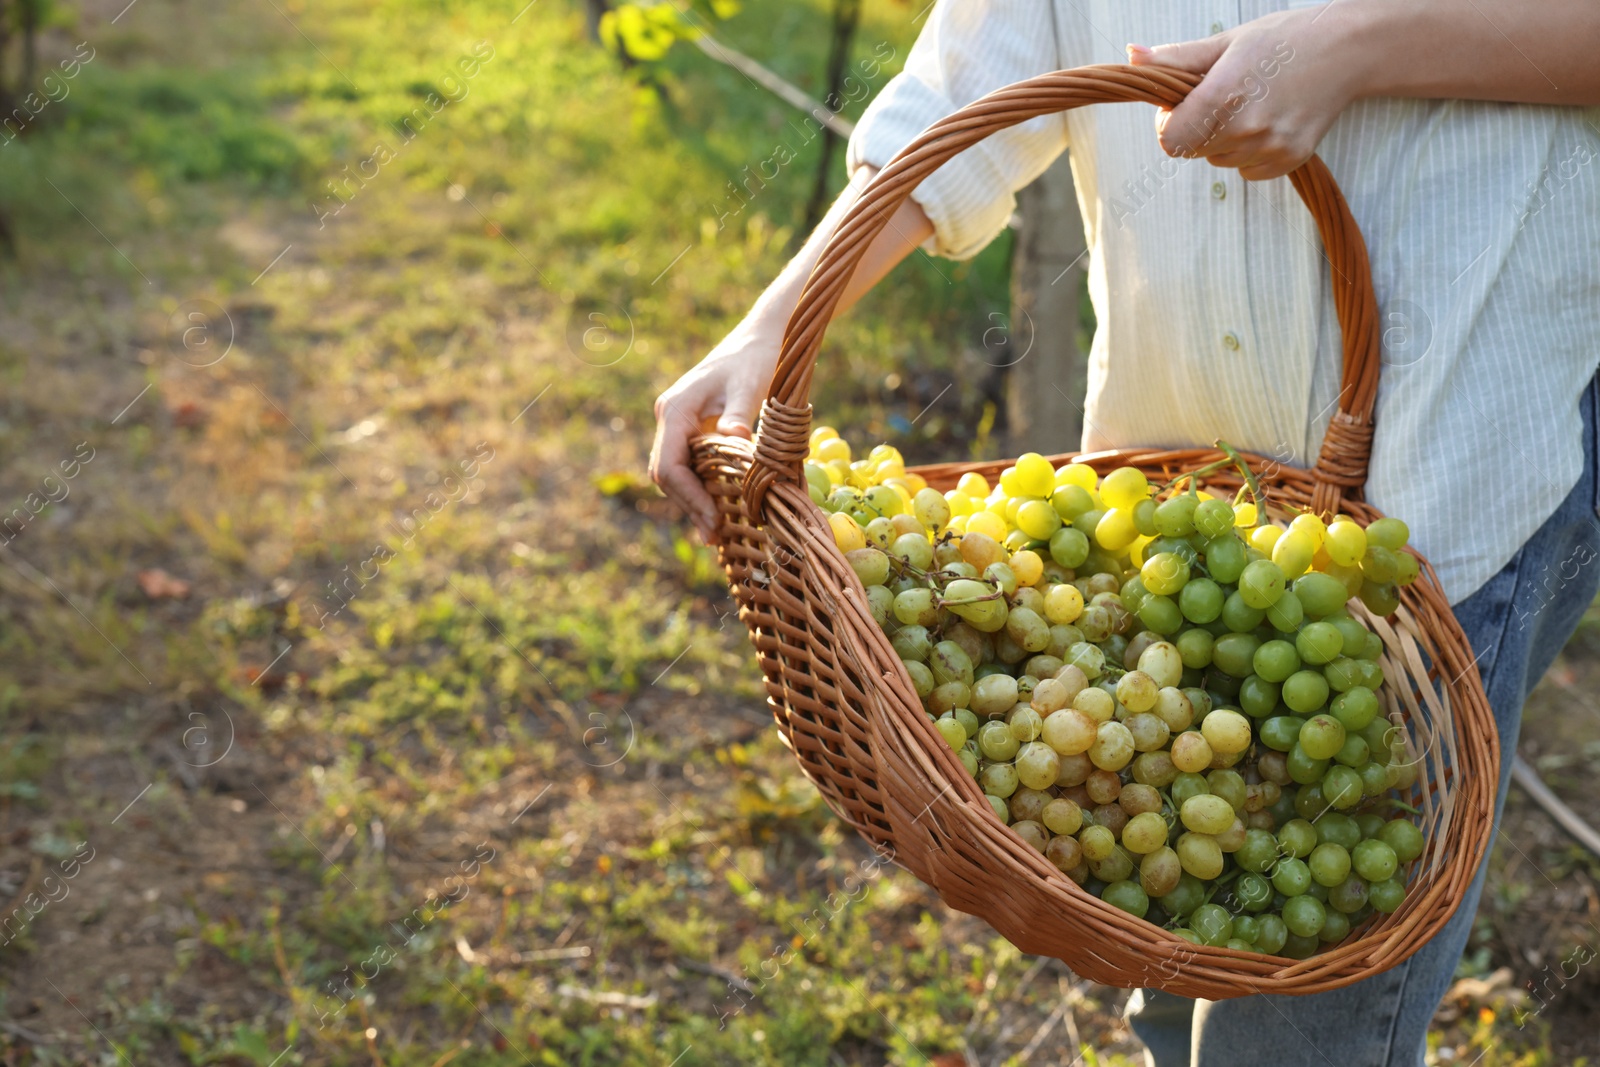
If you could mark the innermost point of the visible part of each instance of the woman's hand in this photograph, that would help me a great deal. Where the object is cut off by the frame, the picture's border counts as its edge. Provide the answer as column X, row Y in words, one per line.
column 1272, row 88
column 728, row 385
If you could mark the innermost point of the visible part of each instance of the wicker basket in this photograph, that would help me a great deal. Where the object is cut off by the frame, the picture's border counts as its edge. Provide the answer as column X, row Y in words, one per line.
column 847, row 707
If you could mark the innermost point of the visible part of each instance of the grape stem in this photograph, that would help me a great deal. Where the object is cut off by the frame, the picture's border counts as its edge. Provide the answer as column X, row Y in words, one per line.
column 1245, row 471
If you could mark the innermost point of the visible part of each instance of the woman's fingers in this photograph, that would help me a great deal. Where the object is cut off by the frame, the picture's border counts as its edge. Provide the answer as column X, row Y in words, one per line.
column 670, row 470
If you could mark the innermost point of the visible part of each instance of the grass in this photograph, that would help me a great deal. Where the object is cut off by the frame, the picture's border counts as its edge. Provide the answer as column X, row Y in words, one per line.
column 454, row 751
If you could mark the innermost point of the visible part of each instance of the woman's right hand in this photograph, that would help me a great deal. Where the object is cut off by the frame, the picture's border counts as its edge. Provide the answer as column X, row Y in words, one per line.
column 728, row 385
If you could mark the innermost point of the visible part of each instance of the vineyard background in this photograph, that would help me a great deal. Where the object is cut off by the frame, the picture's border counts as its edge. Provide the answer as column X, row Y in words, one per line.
column 355, row 642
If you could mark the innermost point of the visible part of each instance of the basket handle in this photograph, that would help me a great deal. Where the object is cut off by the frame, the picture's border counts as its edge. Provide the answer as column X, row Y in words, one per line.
column 782, row 443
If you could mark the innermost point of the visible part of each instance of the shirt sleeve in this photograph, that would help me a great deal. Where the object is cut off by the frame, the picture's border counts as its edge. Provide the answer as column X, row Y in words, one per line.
column 968, row 48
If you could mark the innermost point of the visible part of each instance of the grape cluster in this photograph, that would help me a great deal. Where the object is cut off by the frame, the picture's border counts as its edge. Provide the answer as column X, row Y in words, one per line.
column 1163, row 694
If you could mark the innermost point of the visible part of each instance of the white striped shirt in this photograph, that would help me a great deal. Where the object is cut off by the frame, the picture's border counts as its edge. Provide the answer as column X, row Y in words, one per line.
column 1215, row 314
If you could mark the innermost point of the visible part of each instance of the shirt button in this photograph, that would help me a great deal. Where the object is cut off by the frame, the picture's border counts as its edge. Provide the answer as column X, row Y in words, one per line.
column 1219, row 191
column 1216, row 27
column 1231, row 340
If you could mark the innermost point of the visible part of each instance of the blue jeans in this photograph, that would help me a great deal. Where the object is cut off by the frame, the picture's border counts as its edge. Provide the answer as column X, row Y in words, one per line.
column 1517, row 623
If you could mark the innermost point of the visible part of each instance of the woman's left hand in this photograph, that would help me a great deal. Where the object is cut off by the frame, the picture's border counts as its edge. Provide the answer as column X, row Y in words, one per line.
column 1272, row 88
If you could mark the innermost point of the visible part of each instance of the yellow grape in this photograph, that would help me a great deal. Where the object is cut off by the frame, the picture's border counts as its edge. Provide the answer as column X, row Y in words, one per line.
column 1028, row 567
column 1035, row 476
column 1244, row 514
column 1262, row 538
column 1311, row 526
column 1079, row 474
column 1124, row 487
column 823, row 433
column 833, row 448
column 960, row 503
column 1063, row 604
column 1037, row 519
column 1008, row 482
column 987, row 522
column 1136, row 550
column 973, row 485
column 1292, row 553
column 1115, row 531
column 1346, row 542
column 958, row 524
column 847, row 533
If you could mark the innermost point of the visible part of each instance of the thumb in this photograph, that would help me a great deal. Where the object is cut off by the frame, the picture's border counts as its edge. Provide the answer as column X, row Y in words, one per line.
column 1196, row 57
column 738, row 413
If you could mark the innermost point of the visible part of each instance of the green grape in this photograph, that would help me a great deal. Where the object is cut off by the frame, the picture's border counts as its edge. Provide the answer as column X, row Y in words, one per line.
column 1206, row 814
column 1355, row 708
column 950, row 728
column 1070, row 501
column 1189, row 895
column 1200, row 855
column 1353, row 632
column 1258, row 852
column 1381, row 598
column 969, row 760
column 1335, row 927
column 1379, row 565
column 1386, row 896
column 949, row 696
column 1254, row 893
column 1144, row 833
column 1291, row 877
column 1230, row 786
column 912, row 642
column 1305, row 691
column 1258, row 698
column 1304, row 915
column 1349, row 896
column 1144, row 517
column 1286, row 614
column 1271, row 935
column 1407, row 568
column 1353, row 753
column 1186, row 785
column 1304, row 769
column 1133, row 593
column 1211, row 922
column 1319, row 643
column 1174, row 517
column 1336, row 829
column 1037, row 764
column 1114, row 868
column 1297, row 838
column 1275, row 660
column 1226, row 558
column 1038, row 519
column 1296, row 947
column 1028, row 629
column 1201, row 600
column 968, row 720
column 1261, row 584
column 950, row 663
column 1127, row 896
column 1069, row 547
column 914, row 549
column 998, row 779
column 1212, row 518
column 1239, row 617
column 1234, row 654
column 870, row 564
column 921, row 678
column 880, row 601
column 999, row 805
column 1343, row 787
column 1343, row 674
column 994, row 694
column 1280, row 732
column 1375, row 860
column 1388, row 533
column 917, row 607
column 1321, row 737
column 1404, row 838
column 996, row 742
column 1320, row 594
column 1195, row 647
column 1246, row 927
column 1160, row 614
